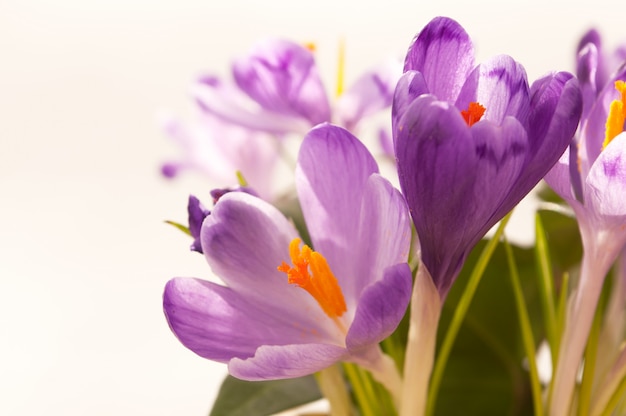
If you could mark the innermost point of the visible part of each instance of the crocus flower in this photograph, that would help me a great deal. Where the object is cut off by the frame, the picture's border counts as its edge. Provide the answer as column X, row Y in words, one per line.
column 288, row 309
column 591, row 177
column 219, row 150
column 277, row 89
column 472, row 140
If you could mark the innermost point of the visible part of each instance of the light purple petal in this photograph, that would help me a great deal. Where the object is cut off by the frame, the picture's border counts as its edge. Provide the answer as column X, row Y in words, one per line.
column 282, row 77
column 244, row 240
column 444, row 54
column 372, row 92
column 196, row 213
column 499, row 85
column 332, row 173
column 217, row 323
column 558, row 178
column 288, row 361
column 381, row 308
column 384, row 237
column 607, row 182
column 227, row 103
column 594, row 129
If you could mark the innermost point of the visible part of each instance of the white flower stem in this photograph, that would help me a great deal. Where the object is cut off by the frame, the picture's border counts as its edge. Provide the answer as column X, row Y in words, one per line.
column 333, row 387
column 420, row 352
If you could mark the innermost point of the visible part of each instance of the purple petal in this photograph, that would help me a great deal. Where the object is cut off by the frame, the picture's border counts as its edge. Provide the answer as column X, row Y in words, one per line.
column 499, row 85
column 217, row 323
column 586, row 71
column 196, row 215
column 381, row 308
column 556, row 105
column 410, row 86
column 288, row 361
column 282, row 77
column 444, row 54
column 384, row 234
column 594, row 129
column 372, row 92
column 244, row 240
column 607, row 182
column 227, row 103
column 455, row 178
column 331, row 176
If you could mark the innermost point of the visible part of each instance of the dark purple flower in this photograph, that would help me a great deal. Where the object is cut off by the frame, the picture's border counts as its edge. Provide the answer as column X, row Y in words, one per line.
column 472, row 140
column 196, row 215
column 285, row 310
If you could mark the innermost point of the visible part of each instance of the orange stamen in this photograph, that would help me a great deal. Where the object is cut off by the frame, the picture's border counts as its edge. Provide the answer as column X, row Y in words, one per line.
column 473, row 113
column 311, row 46
column 319, row 282
column 617, row 115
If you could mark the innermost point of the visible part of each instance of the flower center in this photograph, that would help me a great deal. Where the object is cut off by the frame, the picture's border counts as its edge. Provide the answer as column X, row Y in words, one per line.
column 473, row 114
column 319, row 281
column 617, row 115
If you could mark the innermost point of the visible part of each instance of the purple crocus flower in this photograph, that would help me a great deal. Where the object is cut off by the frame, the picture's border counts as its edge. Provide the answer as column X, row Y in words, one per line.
column 287, row 310
column 591, row 178
column 472, row 140
column 278, row 90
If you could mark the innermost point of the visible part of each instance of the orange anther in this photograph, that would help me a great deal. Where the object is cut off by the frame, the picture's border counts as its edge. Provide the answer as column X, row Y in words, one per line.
column 617, row 115
column 473, row 114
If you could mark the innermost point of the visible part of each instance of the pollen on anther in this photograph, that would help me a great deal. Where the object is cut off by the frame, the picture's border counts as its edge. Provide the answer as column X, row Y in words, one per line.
column 617, row 115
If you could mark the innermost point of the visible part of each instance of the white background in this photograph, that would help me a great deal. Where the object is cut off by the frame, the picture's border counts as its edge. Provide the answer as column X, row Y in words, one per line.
column 84, row 253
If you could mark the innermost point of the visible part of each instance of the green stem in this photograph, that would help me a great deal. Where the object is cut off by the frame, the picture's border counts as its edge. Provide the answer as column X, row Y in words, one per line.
column 619, row 394
column 546, row 289
column 527, row 332
column 365, row 405
column 333, row 387
column 459, row 315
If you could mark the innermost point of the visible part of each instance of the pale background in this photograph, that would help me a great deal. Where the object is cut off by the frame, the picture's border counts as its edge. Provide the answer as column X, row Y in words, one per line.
column 84, row 253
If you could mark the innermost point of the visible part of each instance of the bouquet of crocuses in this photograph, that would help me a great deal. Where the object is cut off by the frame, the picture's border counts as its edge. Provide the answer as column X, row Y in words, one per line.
column 387, row 301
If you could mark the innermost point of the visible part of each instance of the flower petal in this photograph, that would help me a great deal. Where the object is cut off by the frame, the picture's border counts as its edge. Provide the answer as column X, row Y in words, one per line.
column 410, row 86
column 607, row 182
column 282, row 77
column 444, row 54
column 288, row 361
column 332, row 173
column 381, row 308
column 217, row 323
column 372, row 92
column 244, row 240
column 500, row 85
column 586, row 72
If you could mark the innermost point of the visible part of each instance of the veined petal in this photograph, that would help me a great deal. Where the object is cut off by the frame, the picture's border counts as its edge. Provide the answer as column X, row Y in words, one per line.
column 282, row 77
column 444, row 54
column 586, row 72
column 230, row 105
column 217, row 323
column 286, row 361
column 372, row 92
column 410, row 86
column 331, row 175
column 556, row 105
column 381, row 308
column 594, row 130
column 436, row 167
column 384, row 237
column 500, row 85
column 244, row 240
column 607, row 182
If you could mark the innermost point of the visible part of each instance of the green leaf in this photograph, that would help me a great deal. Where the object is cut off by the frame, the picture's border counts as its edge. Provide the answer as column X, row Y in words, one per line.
column 261, row 398
column 181, row 227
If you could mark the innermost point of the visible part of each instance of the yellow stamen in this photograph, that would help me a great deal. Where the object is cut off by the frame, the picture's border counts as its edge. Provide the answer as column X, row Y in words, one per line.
column 341, row 66
column 320, row 282
column 311, row 46
column 617, row 115
column 473, row 114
